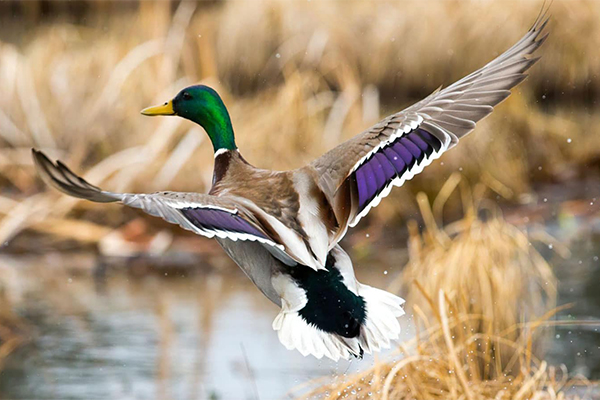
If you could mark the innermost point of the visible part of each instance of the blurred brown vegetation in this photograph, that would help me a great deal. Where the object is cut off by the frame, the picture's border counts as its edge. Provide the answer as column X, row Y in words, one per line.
column 482, row 300
column 452, row 360
column 473, row 260
column 298, row 78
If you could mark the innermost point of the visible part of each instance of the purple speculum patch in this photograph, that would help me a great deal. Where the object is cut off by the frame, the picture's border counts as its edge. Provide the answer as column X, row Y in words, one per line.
column 392, row 161
column 219, row 220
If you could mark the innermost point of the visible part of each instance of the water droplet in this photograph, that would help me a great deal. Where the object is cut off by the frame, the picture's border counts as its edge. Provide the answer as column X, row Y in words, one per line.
column 385, row 272
column 569, row 140
column 277, row 55
column 550, row 246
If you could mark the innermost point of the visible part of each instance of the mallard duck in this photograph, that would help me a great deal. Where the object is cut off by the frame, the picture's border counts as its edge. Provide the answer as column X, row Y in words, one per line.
column 283, row 228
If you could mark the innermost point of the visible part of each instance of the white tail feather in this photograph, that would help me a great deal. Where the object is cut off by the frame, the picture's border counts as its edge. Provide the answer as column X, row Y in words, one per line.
column 295, row 333
column 381, row 325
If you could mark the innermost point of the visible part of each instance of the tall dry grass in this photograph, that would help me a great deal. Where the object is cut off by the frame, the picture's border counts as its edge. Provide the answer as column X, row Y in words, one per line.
column 298, row 77
column 484, row 265
column 482, row 300
column 445, row 362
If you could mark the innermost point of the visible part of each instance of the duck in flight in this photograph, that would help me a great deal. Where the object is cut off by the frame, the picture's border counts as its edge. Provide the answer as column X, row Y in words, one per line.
column 283, row 227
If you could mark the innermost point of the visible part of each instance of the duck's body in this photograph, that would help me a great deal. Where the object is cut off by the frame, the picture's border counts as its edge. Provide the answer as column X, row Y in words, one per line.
column 279, row 195
column 283, row 227
column 324, row 298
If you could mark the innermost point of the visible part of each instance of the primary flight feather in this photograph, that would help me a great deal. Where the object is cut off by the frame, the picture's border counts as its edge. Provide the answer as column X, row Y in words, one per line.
column 283, row 228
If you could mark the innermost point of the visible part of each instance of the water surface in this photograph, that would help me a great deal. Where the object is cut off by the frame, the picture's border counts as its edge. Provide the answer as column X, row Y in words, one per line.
column 172, row 334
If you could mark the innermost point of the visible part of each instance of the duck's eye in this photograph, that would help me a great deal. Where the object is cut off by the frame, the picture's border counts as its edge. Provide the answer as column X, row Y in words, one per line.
column 187, row 96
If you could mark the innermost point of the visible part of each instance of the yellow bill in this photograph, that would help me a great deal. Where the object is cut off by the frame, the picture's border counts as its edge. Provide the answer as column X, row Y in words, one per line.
column 164, row 109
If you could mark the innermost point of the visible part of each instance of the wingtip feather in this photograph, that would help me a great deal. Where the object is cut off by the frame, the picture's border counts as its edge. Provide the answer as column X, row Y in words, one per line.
column 542, row 17
column 59, row 176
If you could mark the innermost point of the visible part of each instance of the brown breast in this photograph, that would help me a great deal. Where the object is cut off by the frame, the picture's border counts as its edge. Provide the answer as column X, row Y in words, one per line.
column 272, row 191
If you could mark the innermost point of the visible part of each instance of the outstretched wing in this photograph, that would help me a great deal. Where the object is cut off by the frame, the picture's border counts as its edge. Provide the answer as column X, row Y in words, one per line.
column 357, row 174
column 210, row 216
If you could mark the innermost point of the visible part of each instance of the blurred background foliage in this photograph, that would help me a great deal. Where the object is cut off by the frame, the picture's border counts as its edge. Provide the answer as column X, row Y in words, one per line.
column 298, row 78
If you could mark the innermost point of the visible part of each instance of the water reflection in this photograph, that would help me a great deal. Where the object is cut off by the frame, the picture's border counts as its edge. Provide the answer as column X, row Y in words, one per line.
column 578, row 347
column 208, row 334
column 204, row 336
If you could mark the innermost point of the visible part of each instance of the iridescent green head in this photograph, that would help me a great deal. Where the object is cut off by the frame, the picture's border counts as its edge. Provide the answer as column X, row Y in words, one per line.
column 203, row 106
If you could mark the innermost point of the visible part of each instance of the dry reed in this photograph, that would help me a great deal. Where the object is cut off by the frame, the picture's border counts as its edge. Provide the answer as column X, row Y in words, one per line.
column 485, row 267
column 298, row 78
column 481, row 299
column 444, row 362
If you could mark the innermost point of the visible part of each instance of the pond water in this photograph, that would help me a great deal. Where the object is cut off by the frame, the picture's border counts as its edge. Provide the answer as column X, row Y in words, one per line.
column 208, row 334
